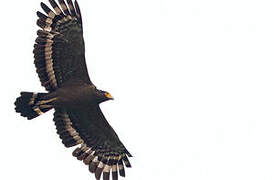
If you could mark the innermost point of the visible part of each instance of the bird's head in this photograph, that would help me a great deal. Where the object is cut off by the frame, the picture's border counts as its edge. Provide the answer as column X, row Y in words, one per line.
column 103, row 96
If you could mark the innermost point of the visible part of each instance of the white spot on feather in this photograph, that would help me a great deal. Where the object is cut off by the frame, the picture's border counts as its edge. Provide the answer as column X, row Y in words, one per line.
column 101, row 165
column 121, row 167
column 49, row 21
column 114, row 168
column 57, row 10
column 64, row 7
column 38, row 111
column 33, row 98
column 107, row 168
column 51, row 15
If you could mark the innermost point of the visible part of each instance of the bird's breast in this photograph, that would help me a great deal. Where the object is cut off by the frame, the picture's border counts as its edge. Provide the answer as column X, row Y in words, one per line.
column 76, row 97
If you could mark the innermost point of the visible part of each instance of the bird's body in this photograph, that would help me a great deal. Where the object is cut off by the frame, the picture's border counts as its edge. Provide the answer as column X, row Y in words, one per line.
column 59, row 54
column 74, row 95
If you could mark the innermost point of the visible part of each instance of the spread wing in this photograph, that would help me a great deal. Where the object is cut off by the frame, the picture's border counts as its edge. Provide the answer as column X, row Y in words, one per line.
column 100, row 148
column 59, row 50
column 59, row 56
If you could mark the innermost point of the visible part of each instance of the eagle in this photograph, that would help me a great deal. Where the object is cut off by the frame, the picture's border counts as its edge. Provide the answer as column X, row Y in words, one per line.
column 59, row 53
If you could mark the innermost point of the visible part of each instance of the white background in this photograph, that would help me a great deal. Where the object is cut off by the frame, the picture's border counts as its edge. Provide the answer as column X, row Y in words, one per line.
column 192, row 81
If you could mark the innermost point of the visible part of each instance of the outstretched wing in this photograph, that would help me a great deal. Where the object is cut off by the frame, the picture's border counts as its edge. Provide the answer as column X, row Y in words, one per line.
column 59, row 50
column 100, row 148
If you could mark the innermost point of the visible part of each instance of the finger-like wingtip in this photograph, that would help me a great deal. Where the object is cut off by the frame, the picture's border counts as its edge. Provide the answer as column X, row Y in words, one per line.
column 78, row 11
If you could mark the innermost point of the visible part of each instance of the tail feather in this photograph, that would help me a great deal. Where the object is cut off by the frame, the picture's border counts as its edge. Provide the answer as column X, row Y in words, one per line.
column 30, row 105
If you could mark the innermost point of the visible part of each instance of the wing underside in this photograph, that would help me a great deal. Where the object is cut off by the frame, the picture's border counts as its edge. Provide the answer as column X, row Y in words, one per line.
column 100, row 147
column 59, row 49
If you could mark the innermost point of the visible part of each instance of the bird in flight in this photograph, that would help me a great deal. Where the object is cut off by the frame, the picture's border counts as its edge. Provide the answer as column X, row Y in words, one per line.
column 59, row 53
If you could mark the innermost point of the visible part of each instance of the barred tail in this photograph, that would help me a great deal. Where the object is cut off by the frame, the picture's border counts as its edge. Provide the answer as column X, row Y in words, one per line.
column 31, row 105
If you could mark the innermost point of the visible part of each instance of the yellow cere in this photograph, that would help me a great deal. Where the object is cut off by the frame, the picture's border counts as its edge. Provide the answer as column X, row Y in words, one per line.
column 108, row 96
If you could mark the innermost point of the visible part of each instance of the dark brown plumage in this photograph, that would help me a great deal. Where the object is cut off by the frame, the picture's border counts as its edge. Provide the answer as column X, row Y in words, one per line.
column 59, row 53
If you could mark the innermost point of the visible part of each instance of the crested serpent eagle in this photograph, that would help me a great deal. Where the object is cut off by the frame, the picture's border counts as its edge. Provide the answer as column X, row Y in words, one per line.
column 59, row 53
